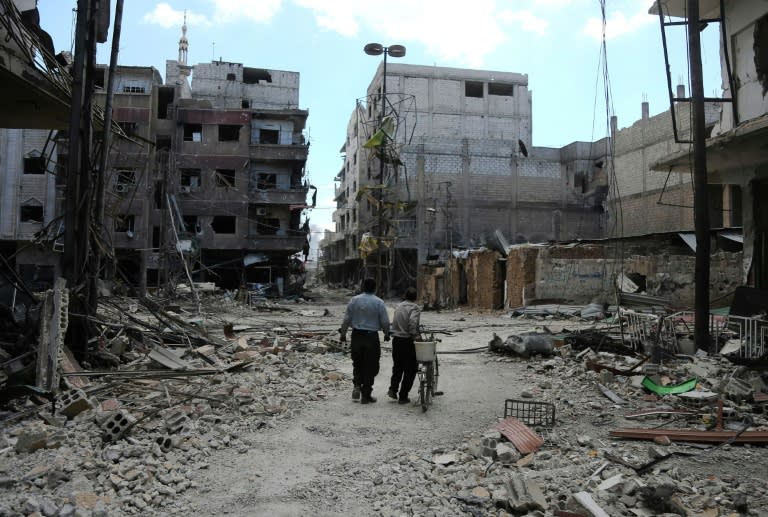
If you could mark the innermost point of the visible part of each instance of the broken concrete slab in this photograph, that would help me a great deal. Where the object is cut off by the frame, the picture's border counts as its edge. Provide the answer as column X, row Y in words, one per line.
column 582, row 502
column 524, row 495
column 31, row 438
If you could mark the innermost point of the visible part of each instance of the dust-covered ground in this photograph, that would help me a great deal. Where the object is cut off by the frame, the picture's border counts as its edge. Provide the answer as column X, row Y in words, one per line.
column 281, row 436
column 313, row 464
column 338, row 457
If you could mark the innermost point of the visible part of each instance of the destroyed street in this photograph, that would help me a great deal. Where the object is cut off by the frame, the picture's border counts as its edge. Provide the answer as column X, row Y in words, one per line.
column 247, row 411
column 434, row 312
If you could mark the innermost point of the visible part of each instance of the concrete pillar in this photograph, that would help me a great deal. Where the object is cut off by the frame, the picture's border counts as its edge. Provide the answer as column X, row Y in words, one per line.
column 466, row 202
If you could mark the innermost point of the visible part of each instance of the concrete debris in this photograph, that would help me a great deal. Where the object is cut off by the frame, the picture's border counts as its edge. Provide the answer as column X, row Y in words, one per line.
column 74, row 402
column 524, row 495
column 165, row 424
column 164, row 392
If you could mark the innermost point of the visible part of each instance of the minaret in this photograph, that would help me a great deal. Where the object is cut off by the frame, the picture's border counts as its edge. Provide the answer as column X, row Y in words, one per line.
column 184, row 70
column 183, row 42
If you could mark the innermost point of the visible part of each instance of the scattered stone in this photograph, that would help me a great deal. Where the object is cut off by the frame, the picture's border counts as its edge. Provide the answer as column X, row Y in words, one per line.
column 31, row 438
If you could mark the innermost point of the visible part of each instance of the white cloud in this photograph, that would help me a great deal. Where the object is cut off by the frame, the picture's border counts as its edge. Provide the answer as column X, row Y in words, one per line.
column 260, row 11
column 166, row 16
column 449, row 30
column 528, row 21
column 224, row 11
column 618, row 24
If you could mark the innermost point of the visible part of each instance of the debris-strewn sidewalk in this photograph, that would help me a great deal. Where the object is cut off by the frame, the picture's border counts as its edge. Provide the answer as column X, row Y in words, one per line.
column 125, row 439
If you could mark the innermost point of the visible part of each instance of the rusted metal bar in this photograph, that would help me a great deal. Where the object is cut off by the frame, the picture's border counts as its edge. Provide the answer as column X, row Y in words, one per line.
column 684, row 435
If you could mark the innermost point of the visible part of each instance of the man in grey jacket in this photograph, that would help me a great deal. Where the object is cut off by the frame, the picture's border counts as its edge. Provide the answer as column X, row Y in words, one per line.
column 366, row 314
column 405, row 329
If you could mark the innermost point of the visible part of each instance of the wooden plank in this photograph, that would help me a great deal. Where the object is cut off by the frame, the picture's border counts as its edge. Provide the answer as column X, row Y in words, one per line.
column 522, row 437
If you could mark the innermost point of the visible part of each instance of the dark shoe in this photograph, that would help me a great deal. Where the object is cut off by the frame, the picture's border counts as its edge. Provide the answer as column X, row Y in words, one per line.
column 356, row 393
column 406, row 400
column 367, row 400
column 392, row 394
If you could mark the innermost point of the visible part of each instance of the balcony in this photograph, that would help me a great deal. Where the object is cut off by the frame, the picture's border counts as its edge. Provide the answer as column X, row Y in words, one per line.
column 285, row 243
column 279, row 197
column 267, row 152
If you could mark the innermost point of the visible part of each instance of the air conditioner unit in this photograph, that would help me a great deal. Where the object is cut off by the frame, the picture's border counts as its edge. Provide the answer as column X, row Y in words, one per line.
column 185, row 189
column 121, row 187
column 262, row 211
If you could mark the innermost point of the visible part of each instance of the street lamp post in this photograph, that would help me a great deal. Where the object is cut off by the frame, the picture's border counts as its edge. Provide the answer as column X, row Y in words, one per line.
column 377, row 49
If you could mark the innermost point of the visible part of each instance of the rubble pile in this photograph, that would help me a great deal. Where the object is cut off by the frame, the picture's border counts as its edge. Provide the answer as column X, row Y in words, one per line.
column 581, row 469
column 128, row 440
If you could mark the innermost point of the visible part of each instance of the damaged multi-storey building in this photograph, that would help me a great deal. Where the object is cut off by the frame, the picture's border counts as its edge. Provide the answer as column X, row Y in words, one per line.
column 736, row 153
column 462, row 180
column 459, row 172
column 205, row 180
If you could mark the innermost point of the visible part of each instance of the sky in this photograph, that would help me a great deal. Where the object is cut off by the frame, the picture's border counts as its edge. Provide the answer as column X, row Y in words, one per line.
column 556, row 43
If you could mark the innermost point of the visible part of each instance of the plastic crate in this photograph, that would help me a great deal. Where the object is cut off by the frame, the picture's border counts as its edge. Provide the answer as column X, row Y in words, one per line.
column 530, row 412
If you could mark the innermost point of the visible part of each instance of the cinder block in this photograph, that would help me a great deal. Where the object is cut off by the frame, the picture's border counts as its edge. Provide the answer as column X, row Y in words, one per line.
column 174, row 422
column 165, row 443
column 74, row 402
column 117, row 424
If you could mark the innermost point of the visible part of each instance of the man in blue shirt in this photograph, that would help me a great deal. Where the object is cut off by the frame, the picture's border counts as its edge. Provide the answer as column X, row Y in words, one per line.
column 366, row 314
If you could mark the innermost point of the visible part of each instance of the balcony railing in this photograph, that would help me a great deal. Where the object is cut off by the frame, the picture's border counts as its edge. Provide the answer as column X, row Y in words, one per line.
column 287, row 243
column 279, row 152
column 279, row 197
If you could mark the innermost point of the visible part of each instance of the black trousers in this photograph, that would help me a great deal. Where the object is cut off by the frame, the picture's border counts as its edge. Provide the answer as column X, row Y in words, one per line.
column 404, row 366
column 366, row 352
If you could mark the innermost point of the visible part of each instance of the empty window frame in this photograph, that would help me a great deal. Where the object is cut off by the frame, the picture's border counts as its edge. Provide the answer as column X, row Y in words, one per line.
column 190, row 224
column 126, row 176
column 269, row 136
column 229, row 133
column 231, row 77
column 165, row 97
column 266, row 181
column 190, row 178
column 255, row 75
column 224, row 224
column 225, row 177
column 124, row 223
column 37, row 277
column 134, row 87
column 193, row 132
column 267, row 225
column 473, row 89
column 501, row 89
column 34, row 165
column 128, row 128
column 245, row 104
column 761, row 51
column 31, row 213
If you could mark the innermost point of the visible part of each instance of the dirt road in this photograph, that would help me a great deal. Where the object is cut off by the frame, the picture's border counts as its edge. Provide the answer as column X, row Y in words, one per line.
column 310, row 465
column 337, row 457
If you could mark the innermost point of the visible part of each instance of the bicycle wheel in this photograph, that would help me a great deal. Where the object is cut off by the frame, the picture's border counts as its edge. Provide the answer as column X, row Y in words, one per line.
column 434, row 383
column 423, row 395
column 430, row 386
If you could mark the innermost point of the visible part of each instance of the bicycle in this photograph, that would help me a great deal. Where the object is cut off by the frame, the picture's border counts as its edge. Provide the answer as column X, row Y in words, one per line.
column 428, row 371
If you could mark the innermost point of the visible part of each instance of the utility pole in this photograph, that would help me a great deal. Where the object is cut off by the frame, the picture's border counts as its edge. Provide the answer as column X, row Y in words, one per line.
column 700, row 199
column 78, row 203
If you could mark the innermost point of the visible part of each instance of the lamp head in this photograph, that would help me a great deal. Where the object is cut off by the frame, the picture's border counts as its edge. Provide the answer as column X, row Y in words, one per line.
column 396, row 50
column 373, row 49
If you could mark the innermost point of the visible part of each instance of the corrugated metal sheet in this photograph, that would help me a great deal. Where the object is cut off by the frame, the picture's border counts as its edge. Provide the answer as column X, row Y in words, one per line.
column 521, row 436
